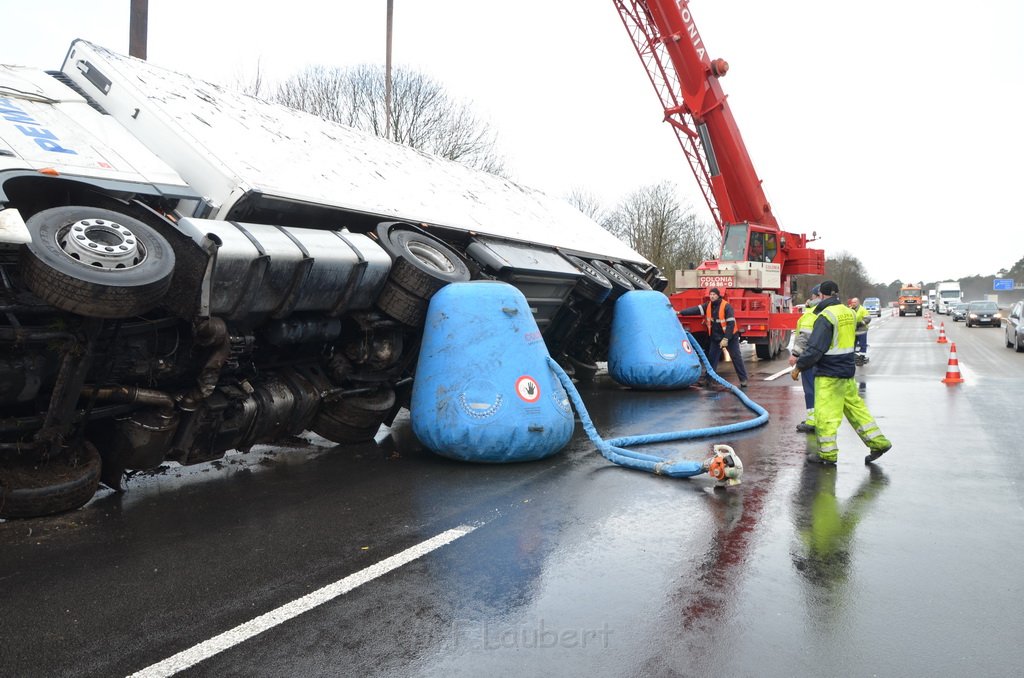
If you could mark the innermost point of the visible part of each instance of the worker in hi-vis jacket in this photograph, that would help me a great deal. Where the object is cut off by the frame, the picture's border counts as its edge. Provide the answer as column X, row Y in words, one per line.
column 830, row 352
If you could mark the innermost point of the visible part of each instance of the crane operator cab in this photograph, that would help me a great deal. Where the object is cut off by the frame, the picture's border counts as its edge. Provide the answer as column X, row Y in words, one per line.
column 743, row 244
column 750, row 259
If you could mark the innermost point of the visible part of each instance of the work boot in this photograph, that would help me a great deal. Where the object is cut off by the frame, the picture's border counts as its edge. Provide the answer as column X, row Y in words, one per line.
column 743, row 384
column 875, row 454
column 815, row 458
column 804, row 427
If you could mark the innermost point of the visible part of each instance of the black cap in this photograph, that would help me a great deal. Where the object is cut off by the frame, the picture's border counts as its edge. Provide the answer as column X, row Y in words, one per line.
column 829, row 288
column 714, row 290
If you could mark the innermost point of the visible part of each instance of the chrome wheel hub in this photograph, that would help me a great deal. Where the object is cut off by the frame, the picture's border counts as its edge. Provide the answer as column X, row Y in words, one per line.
column 101, row 243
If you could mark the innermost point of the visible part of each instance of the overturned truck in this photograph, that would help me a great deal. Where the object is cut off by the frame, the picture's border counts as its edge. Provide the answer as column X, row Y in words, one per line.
column 185, row 270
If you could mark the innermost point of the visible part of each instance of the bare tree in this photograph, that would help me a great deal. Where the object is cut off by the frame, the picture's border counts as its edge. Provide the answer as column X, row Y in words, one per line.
column 588, row 203
column 246, row 84
column 659, row 226
column 848, row 272
column 423, row 115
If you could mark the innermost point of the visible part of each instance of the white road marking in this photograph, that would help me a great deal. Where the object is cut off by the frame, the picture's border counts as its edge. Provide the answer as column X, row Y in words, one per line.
column 242, row 632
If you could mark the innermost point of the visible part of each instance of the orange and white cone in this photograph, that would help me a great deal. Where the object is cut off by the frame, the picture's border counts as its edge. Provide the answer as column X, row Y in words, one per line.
column 930, row 326
column 953, row 369
column 942, row 334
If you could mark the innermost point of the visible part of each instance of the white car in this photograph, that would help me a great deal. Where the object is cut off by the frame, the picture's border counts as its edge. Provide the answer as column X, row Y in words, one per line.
column 874, row 306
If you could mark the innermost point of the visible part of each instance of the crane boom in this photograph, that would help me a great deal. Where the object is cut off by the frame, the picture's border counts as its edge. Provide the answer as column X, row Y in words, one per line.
column 757, row 258
column 665, row 35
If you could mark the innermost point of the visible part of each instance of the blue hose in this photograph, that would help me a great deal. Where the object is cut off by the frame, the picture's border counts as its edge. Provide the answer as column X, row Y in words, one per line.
column 615, row 452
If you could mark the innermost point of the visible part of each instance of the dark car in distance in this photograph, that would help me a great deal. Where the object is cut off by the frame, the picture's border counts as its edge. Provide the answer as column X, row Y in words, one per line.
column 983, row 313
column 958, row 311
column 1015, row 328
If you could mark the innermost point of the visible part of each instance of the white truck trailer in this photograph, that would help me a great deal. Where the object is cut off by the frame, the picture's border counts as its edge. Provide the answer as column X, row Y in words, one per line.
column 946, row 294
column 185, row 270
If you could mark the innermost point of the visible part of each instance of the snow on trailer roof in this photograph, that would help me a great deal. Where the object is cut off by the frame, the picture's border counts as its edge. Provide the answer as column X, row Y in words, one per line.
column 286, row 153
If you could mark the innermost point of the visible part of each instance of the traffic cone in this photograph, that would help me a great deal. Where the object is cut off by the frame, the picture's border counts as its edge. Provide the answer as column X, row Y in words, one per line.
column 930, row 326
column 942, row 334
column 953, row 369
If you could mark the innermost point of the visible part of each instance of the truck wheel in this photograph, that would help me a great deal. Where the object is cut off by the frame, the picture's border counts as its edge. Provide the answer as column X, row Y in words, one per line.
column 356, row 419
column 620, row 284
column 402, row 305
column 593, row 286
column 763, row 351
column 634, row 279
column 54, row 486
column 421, row 266
column 96, row 263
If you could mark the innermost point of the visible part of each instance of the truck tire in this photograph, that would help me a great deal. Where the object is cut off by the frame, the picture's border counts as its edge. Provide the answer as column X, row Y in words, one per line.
column 593, row 286
column 356, row 419
column 423, row 264
column 50, row 487
column 771, row 350
column 96, row 262
column 402, row 305
column 620, row 284
column 634, row 279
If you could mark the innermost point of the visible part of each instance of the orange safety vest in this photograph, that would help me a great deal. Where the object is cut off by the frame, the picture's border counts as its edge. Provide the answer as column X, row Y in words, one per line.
column 721, row 316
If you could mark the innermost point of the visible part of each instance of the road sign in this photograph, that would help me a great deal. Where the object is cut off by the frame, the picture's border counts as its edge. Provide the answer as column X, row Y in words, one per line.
column 1002, row 284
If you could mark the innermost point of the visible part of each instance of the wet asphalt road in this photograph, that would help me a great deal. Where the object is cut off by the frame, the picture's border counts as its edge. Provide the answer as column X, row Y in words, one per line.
column 570, row 566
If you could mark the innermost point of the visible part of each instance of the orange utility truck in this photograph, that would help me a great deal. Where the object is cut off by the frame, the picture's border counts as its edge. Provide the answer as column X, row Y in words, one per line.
column 910, row 301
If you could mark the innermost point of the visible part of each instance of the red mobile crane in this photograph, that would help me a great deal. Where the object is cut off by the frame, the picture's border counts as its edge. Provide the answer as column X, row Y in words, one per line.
column 757, row 259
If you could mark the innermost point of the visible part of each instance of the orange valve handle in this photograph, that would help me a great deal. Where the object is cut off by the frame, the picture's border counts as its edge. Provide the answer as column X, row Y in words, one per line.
column 725, row 466
column 717, row 469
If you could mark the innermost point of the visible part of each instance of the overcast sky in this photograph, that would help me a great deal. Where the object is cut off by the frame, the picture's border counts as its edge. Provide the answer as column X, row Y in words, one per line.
column 891, row 128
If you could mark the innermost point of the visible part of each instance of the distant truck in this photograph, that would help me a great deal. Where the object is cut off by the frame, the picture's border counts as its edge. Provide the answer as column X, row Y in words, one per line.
column 185, row 270
column 910, row 301
column 947, row 294
column 931, row 299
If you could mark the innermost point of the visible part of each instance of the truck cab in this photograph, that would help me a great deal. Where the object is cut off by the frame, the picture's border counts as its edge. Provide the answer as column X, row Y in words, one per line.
column 910, row 301
column 946, row 294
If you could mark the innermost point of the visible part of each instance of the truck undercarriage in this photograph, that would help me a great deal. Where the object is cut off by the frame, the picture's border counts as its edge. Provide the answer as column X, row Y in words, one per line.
column 130, row 338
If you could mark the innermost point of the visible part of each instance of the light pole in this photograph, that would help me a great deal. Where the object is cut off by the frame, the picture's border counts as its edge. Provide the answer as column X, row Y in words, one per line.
column 138, row 28
column 387, row 74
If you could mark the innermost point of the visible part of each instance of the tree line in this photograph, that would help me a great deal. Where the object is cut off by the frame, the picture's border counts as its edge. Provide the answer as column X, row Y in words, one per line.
column 849, row 273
